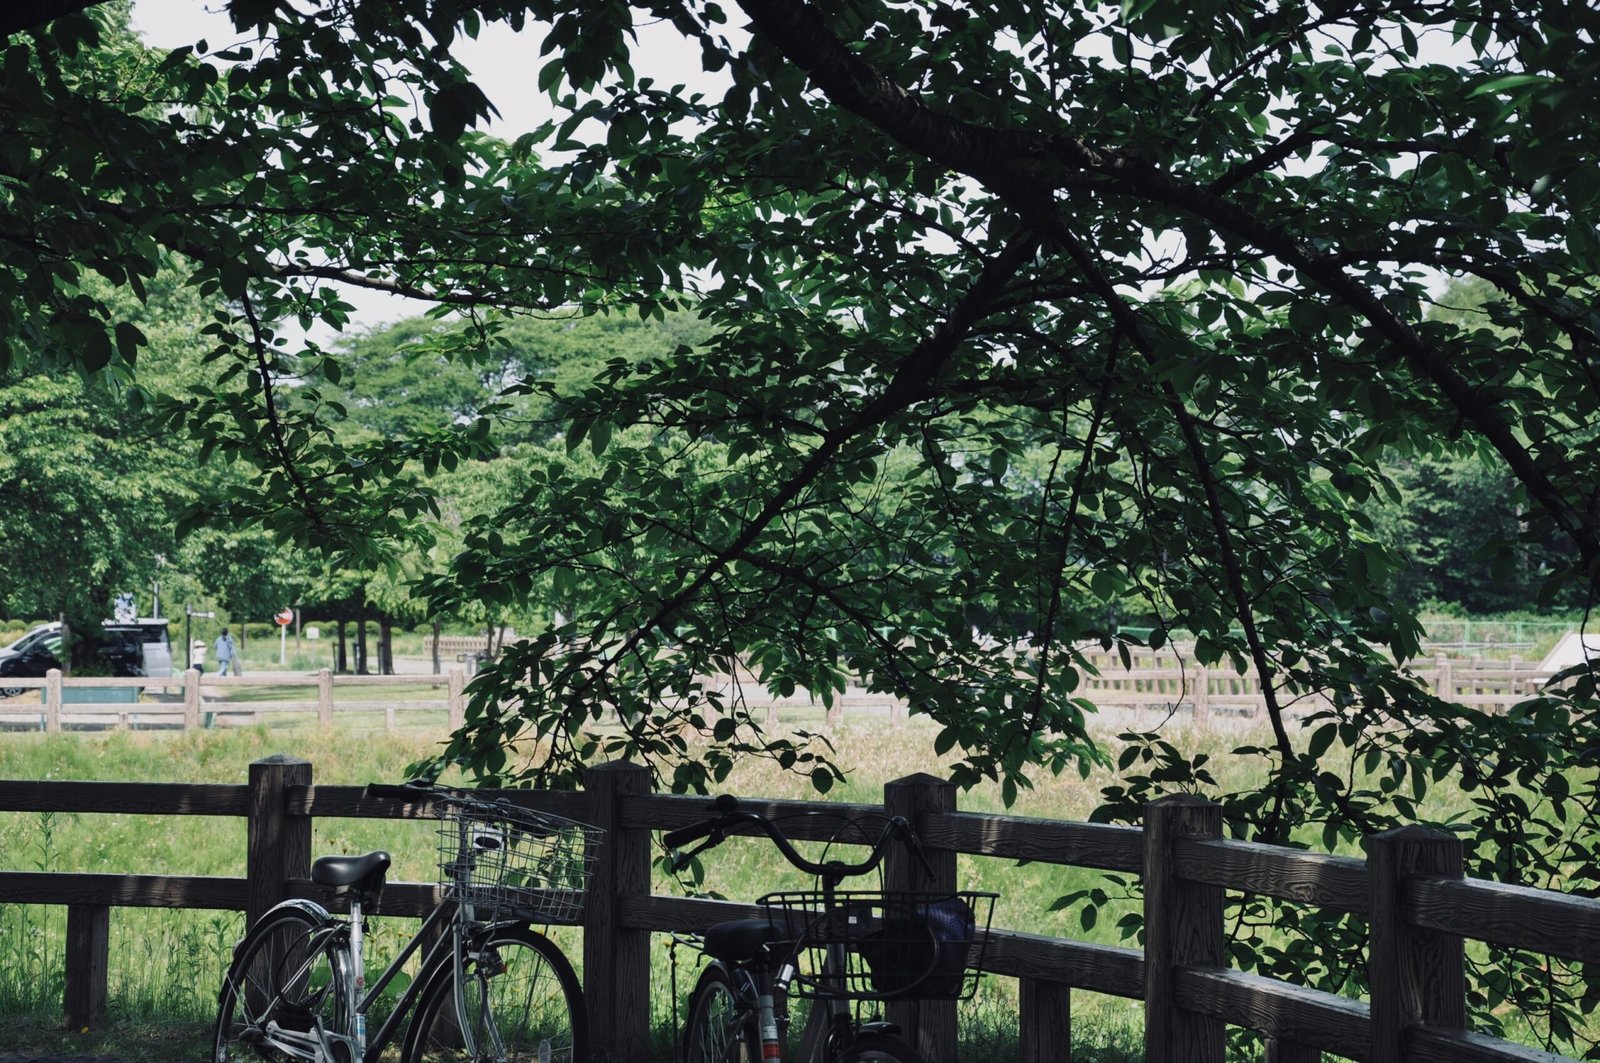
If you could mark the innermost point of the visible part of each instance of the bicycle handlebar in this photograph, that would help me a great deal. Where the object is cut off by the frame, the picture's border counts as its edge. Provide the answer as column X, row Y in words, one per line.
column 730, row 815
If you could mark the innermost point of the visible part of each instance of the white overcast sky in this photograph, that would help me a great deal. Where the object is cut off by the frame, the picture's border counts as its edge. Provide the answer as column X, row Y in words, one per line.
column 505, row 66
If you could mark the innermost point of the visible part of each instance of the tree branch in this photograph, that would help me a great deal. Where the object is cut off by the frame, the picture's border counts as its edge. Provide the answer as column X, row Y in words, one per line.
column 1018, row 167
column 909, row 384
column 18, row 15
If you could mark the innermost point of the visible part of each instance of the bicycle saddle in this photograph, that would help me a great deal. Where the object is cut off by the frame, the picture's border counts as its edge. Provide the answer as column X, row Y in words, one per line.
column 340, row 871
column 739, row 940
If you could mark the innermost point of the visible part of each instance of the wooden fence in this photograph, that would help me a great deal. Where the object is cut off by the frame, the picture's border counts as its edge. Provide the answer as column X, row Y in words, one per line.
column 1410, row 890
column 1157, row 682
column 193, row 700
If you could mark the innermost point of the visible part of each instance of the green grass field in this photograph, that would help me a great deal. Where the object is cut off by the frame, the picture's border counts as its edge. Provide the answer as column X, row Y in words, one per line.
column 166, row 965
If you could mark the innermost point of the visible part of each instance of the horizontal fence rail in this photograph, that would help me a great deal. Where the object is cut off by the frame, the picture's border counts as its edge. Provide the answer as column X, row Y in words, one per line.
column 1154, row 682
column 191, row 700
column 1419, row 907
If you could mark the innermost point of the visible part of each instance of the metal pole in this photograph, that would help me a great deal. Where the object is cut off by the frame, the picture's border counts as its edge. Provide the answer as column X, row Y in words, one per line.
column 188, row 644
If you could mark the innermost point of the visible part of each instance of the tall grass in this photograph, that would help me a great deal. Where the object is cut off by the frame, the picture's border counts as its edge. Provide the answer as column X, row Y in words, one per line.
column 166, row 965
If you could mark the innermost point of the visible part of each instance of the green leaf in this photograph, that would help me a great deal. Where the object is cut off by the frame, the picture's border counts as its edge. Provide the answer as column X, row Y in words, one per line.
column 1508, row 83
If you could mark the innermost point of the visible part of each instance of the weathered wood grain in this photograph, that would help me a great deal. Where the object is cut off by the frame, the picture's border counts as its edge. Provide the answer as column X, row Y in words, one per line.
column 1279, row 1010
column 1429, row 1045
column 682, row 915
column 618, row 996
column 88, row 952
column 352, row 802
column 122, row 891
column 146, row 798
column 1277, row 1050
column 1183, row 928
column 801, row 820
column 1048, row 841
column 1415, row 976
column 1044, row 1022
column 278, row 841
column 1108, row 969
column 1275, row 871
column 930, row 1025
column 1538, row 920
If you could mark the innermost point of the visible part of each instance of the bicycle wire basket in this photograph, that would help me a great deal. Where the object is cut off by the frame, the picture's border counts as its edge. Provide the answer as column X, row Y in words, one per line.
column 509, row 862
column 884, row 944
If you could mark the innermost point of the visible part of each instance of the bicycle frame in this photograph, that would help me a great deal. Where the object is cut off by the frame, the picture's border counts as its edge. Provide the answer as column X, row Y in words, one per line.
column 358, row 996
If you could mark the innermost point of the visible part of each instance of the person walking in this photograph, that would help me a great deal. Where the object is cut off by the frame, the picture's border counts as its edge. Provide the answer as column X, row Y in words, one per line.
column 224, row 648
column 197, row 655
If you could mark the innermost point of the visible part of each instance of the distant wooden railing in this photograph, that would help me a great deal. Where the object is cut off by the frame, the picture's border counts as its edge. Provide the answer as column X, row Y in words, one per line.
column 195, row 708
column 1158, row 682
column 1410, row 889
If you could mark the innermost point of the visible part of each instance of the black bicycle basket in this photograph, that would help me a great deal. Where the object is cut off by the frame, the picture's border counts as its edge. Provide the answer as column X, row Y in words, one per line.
column 884, row 945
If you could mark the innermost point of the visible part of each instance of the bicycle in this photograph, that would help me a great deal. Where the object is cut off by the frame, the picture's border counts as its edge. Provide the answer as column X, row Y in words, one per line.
column 489, row 987
column 842, row 949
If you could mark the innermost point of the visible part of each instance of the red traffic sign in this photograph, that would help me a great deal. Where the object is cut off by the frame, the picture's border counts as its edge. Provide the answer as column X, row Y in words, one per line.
column 285, row 618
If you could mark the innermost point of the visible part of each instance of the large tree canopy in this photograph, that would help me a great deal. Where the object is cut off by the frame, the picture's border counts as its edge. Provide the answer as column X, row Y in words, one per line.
column 1018, row 311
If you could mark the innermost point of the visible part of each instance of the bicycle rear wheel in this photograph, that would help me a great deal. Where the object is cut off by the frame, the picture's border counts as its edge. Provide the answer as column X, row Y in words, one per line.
column 282, row 994
column 718, row 1030
column 520, row 1004
column 880, row 1048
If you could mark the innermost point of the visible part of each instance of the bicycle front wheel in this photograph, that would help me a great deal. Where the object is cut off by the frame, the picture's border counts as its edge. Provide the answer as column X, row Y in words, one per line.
column 520, row 1003
column 282, row 996
column 718, row 1030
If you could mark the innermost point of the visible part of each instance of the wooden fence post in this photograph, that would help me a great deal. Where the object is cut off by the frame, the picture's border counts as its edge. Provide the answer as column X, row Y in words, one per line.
column 1277, row 1050
column 324, row 696
column 52, row 701
column 1202, row 693
column 1444, row 683
column 279, row 845
column 88, row 956
column 1044, row 1022
column 616, row 959
column 191, row 700
column 930, row 1025
column 1415, row 976
column 458, row 700
column 1182, row 928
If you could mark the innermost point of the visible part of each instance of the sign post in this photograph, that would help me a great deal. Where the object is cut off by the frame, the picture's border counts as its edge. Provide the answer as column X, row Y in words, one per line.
column 284, row 618
column 188, row 643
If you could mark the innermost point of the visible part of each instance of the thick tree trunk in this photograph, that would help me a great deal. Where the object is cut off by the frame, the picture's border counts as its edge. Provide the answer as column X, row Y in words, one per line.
column 437, row 626
column 342, row 663
column 386, row 644
column 361, row 636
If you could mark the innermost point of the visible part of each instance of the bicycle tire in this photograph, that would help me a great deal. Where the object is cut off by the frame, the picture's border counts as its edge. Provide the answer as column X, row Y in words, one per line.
column 879, row 1048
column 284, row 983
column 532, row 996
column 717, row 1028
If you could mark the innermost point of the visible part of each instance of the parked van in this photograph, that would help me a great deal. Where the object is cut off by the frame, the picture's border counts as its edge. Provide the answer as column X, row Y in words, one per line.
column 131, row 647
